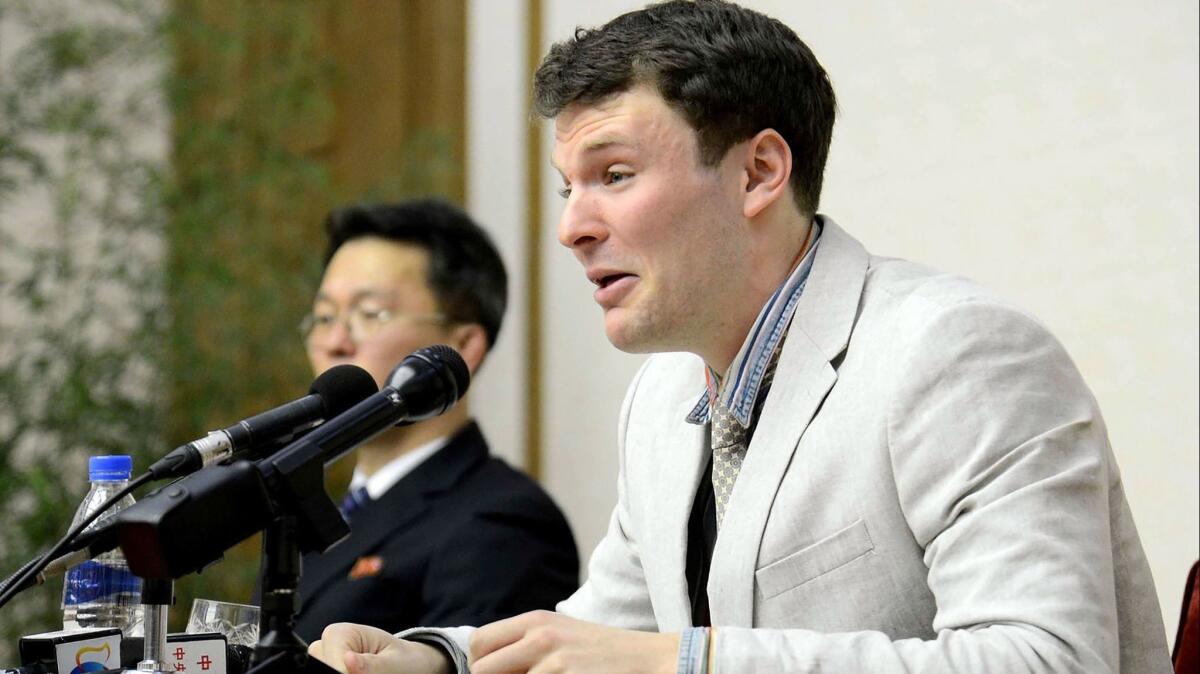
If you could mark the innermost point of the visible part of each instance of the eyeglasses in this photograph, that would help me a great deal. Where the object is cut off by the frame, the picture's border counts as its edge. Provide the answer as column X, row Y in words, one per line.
column 362, row 323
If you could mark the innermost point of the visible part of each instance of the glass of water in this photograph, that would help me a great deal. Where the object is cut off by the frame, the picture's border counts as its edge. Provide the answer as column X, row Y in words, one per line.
column 238, row 622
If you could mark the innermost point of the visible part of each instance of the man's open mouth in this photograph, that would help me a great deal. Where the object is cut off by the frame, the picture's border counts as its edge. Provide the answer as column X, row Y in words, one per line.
column 609, row 279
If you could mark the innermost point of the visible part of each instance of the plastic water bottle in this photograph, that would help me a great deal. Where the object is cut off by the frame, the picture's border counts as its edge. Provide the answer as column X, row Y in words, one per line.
column 102, row 592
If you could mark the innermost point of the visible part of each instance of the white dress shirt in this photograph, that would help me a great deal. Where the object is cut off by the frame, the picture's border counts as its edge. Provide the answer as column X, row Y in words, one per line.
column 387, row 476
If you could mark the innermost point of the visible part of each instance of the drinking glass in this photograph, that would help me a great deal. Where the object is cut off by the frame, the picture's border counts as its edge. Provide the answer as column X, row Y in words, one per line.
column 238, row 622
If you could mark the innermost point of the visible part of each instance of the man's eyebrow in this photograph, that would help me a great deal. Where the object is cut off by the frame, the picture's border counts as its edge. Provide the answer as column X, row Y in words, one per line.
column 603, row 143
column 365, row 293
column 597, row 145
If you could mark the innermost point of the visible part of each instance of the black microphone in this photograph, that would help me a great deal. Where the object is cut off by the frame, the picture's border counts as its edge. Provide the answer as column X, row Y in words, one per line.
column 425, row 384
column 334, row 392
column 190, row 523
column 430, row 381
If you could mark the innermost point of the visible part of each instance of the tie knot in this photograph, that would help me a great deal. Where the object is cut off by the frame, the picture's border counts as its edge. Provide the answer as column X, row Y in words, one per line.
column 726, row 429
column 354, row 500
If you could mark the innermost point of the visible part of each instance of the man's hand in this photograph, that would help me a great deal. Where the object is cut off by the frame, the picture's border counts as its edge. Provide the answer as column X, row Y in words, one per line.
column 358, row 649
column 551, row 642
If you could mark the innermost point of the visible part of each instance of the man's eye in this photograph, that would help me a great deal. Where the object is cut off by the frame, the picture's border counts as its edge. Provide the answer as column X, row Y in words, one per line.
column 374, row 314
column 323, row 320
column 612, row 177
column 564, row 192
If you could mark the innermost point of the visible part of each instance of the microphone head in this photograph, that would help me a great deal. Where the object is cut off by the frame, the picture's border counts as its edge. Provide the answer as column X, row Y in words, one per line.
column 430, row 381
column 342, row 387
column 452, row 363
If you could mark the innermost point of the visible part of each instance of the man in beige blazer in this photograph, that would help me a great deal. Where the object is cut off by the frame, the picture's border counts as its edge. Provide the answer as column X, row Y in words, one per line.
column 928, row 485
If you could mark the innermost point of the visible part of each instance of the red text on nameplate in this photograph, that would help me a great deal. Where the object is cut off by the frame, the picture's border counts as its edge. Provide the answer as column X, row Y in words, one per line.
column 196, row 653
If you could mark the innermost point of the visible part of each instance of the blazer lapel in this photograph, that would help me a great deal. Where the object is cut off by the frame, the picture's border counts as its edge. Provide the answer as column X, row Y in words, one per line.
column 819, row 332
column 393, row 512
column 679, row 471
column 397, row 509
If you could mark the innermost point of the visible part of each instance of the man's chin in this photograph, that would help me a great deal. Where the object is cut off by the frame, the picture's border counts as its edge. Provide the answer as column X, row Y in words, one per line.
column 628, row 336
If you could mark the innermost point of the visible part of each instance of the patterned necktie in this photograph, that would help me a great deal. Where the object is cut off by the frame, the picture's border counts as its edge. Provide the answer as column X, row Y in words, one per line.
column 355, row 499
column 730, row 440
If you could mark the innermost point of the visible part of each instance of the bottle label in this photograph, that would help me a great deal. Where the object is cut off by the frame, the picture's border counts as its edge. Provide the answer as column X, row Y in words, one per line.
column 93, row 581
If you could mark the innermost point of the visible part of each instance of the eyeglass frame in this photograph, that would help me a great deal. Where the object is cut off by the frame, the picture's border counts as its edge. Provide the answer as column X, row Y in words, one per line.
column 308, row 324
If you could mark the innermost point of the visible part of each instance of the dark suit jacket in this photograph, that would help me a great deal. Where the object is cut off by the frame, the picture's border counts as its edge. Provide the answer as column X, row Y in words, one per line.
column 463, row 539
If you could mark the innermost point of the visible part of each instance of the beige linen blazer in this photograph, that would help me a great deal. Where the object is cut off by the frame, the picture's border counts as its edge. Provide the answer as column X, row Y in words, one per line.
column 930, row 488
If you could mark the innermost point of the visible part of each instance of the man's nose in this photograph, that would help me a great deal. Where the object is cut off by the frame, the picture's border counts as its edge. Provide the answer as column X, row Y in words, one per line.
column 339, row 341
column 580, row 225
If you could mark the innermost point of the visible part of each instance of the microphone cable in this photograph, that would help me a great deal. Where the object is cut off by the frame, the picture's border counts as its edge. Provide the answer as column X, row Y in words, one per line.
column 26, row 576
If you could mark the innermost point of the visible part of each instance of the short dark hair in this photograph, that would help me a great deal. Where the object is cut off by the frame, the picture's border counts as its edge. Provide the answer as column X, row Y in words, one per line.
column 466, row 275
column 730, row 71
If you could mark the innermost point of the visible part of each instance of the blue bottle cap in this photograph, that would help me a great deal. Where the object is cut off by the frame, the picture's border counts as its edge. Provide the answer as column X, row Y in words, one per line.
column 110, row 468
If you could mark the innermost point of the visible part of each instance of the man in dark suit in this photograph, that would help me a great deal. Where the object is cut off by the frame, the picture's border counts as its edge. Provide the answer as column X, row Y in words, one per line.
column 441, row 533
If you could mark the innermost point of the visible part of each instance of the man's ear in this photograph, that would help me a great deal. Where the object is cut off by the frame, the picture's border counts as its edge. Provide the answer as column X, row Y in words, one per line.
column 768, row 167
column 471, row 342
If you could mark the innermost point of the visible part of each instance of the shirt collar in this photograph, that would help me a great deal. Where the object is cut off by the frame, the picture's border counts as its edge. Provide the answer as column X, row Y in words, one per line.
column 386, row 477
column 745, row 376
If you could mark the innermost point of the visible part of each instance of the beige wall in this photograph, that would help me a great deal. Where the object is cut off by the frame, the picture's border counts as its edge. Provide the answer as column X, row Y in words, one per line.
column 1049, row 150
column 496, row 123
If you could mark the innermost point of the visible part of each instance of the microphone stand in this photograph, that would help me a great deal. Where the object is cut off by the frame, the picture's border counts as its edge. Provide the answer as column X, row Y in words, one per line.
column 307, row 520
column 157, row 596
column 279, row 648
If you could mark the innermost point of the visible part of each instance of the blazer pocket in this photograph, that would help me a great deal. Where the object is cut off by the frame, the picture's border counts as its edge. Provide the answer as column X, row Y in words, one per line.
column 815, row 560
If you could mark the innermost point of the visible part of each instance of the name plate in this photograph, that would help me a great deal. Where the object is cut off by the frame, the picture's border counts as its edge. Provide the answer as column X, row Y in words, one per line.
column 196, row 653
column 74, row 651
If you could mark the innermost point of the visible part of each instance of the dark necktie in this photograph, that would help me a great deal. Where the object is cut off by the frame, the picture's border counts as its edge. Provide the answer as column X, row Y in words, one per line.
column 354, row 500
column 730, row 441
